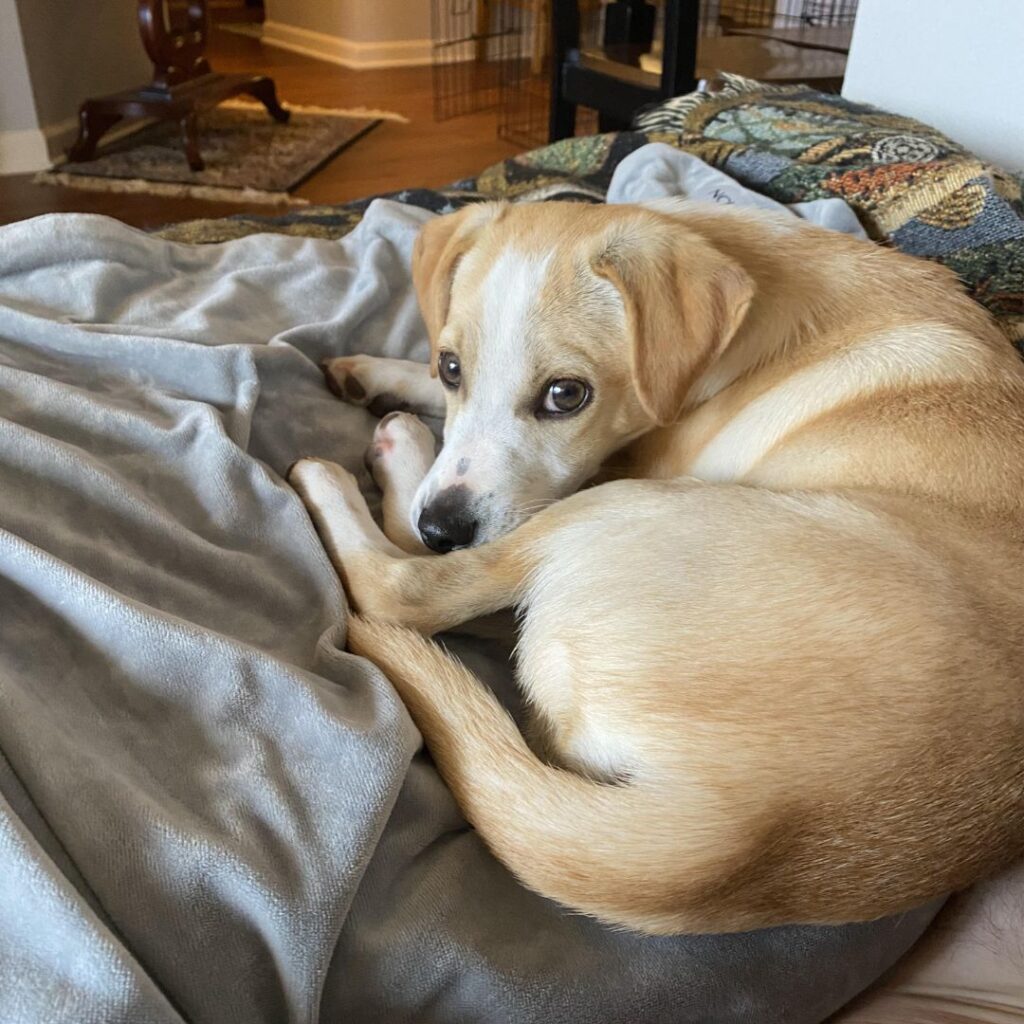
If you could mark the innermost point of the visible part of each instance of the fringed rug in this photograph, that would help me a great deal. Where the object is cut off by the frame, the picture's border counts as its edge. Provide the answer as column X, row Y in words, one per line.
column 249, row 157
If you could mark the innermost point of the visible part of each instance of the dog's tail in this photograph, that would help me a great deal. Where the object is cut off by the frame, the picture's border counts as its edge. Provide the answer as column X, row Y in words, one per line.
column 606, row 850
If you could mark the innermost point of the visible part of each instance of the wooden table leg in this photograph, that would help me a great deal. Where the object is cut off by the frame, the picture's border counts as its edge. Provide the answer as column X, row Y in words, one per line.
column 93, row 124
column 190, row 139
column 262, row 89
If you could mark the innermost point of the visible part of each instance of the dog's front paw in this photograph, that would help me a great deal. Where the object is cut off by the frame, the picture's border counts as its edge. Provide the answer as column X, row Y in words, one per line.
column 333, row 498
column 402, row 447
column 365, row 381
column 352, row 539
column 342, row 376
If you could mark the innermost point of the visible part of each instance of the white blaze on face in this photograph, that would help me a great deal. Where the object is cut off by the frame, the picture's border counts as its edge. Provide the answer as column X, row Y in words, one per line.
column 487, row 442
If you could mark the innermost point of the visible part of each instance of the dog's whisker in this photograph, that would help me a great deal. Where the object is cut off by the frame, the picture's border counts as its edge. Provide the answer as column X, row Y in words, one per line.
column 533, row 507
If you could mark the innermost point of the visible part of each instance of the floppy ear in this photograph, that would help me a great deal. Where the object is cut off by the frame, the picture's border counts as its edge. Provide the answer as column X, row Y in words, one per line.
column 684, row 301
column 439, row 246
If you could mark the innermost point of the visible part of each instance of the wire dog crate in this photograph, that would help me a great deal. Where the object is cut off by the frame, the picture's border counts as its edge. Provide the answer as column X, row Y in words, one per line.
column 473, row 42
column 494, row 54
column 783, row 13
column 815, row 24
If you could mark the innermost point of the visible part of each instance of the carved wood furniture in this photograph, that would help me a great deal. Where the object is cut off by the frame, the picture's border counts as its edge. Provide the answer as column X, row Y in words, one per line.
column 183, row 83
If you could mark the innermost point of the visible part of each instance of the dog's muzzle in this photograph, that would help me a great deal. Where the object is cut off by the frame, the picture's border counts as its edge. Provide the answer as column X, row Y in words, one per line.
column 448, row 521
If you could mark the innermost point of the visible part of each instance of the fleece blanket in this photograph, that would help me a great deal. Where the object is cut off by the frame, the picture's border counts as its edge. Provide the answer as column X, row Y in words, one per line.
column 208, row 811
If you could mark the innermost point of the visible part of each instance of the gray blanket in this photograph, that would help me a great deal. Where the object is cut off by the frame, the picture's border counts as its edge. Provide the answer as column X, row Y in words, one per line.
column 208, row 811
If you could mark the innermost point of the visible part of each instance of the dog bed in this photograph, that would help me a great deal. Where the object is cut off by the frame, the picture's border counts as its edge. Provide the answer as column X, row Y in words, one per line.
column 208, row 810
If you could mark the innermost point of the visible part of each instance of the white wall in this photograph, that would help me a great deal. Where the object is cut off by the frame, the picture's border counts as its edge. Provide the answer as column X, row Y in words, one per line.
column 17, row 108
column 53, row 55
column 955, row 64
column 356, row 33
column 362, row 21
column 22, row 147
column 80, row 48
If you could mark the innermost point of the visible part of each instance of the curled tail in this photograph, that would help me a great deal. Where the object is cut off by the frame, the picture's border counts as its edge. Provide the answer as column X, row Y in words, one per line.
column 605, row 850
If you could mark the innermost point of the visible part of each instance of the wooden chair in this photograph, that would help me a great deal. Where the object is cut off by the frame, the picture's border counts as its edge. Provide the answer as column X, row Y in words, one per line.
column 183, row 84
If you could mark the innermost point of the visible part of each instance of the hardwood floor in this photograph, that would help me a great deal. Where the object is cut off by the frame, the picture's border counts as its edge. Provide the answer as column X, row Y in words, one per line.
column 392, row 156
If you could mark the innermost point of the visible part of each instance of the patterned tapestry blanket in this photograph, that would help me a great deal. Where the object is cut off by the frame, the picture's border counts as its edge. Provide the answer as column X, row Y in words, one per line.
column 911, row 186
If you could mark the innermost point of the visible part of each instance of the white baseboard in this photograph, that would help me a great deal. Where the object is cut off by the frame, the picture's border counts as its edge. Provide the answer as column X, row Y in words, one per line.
column 347, row 52
column 35, row 149
column 38, row 149
column 61, row 135
column 23, row 152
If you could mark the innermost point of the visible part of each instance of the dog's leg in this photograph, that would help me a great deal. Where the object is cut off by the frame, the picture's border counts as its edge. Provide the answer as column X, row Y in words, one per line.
column 339, row 510
column 399, row 457
column 426, row 593
column 385, row 385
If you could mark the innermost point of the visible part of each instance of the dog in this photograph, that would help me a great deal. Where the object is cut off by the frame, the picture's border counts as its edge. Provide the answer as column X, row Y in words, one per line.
column 757, row 492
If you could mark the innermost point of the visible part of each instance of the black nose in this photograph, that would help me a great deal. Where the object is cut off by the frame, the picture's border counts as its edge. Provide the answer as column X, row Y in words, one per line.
column 447, row 522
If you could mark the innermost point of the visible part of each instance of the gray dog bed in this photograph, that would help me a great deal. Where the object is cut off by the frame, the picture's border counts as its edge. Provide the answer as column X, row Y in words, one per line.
column 209, row 812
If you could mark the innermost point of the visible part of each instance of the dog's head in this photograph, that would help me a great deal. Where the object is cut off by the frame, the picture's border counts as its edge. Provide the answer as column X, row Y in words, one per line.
column 561, row 332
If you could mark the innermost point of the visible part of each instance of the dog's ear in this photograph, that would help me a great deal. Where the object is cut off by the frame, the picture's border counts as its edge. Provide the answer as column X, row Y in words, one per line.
column 439, row 246
column 684, row 301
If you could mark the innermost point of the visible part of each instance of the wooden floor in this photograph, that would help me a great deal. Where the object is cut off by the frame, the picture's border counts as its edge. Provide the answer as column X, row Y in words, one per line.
column 392, row 156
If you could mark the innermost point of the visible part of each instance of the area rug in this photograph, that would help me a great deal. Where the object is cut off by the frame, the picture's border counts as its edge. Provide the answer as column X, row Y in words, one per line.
column 249, row 157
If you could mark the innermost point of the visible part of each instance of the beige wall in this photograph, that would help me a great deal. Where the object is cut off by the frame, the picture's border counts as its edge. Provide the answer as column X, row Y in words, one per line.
column 77, row 49
column 378, row 20
column 53, row 55
column 17, row 107
column 361, row 21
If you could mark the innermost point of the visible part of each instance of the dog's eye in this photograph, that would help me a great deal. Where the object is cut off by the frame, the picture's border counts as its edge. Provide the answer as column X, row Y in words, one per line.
column 564, row 396
column 449, row 369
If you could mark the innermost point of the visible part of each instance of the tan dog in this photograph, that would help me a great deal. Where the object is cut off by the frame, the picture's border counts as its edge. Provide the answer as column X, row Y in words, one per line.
column 778, row 671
